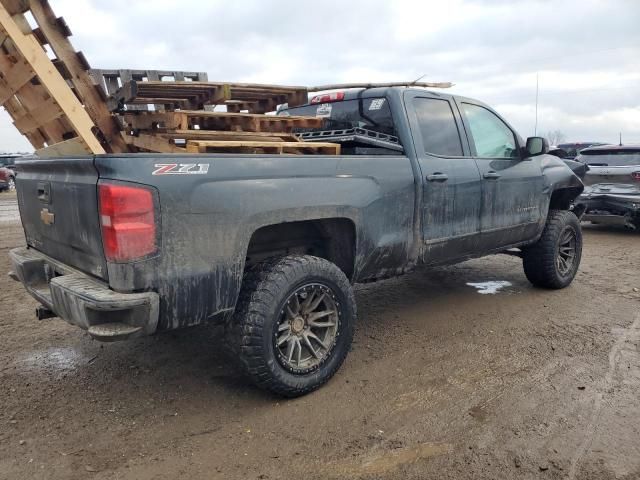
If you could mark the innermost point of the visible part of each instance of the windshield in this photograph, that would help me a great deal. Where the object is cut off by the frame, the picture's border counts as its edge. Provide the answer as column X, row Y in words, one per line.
column 611, row 158
column 369, row 113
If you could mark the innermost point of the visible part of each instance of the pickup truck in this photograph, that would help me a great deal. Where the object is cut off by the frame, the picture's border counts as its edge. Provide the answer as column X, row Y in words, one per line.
column 271, row 245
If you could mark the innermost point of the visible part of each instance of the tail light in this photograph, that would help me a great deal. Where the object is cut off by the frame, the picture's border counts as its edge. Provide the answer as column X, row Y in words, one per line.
column 328, row 98
column 127, row 215
column 636, row 176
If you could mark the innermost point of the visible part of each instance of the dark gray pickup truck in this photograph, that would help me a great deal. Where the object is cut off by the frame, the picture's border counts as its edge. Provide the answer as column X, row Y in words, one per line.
column 270, row 245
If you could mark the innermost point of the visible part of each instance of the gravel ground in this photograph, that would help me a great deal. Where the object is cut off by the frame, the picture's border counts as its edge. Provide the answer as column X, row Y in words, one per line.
column 443, row 382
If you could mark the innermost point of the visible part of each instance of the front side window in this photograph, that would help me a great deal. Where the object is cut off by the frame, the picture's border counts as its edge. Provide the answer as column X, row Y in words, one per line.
column 438, row 127
column 491, row 136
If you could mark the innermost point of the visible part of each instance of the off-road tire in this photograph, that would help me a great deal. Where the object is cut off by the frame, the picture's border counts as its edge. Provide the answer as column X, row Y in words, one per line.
column 540, row 260
column 250, row 332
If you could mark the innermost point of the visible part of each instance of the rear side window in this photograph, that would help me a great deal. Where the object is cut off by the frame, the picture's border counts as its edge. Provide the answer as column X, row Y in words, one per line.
column 491, row 136
column 370, row 113
column 611, row 158
column 438, row 127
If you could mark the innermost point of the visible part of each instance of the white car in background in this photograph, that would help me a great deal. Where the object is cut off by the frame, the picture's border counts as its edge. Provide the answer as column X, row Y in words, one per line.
column 612, row 185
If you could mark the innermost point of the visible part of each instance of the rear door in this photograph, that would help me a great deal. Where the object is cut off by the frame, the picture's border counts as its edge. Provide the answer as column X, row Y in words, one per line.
column 450, row 179
column 59, row 210
column 512, row 185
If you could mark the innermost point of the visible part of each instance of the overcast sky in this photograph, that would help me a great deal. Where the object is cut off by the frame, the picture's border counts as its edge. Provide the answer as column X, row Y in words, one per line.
column 586, row 53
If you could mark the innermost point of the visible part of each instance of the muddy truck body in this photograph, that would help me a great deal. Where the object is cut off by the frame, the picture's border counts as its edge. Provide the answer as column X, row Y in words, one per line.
column 270, row 245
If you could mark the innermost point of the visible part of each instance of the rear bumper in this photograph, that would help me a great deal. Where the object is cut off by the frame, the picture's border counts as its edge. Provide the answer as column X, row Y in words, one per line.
column 612, row 209
column 84, row 301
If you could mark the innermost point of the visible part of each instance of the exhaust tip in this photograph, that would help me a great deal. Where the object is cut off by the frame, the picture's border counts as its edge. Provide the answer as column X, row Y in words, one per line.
column 43, row 313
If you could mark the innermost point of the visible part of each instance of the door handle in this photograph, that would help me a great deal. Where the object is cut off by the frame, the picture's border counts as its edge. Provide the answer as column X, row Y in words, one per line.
column 438, row 177
column 44, row 192
column 491, row 175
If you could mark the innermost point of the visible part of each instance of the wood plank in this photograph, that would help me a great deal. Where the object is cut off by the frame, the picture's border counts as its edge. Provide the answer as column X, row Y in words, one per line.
column 345, row 86
column 16, row 76
column 205, row 120
column 72, row 147
column 49, row 76
column 30, row 97
column 152, row 143
column 226, row 135
column 299, row 148
column 56, row 32
column 234, row 147
column 155, row 120
column 43, row 114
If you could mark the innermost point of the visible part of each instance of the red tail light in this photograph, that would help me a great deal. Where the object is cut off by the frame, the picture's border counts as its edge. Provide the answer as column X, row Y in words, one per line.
column 328, row 98
column 636, row 176
column 128, row 222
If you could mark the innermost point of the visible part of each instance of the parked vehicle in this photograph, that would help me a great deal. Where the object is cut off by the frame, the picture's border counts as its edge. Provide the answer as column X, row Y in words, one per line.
column 270, row 245
column 8, row 160
column 612, row 192
column 7, row 179
column 573, row 149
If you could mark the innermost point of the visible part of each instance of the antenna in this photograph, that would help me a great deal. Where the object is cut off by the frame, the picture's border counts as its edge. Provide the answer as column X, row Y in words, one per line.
column 418, row 79
column 535, row 129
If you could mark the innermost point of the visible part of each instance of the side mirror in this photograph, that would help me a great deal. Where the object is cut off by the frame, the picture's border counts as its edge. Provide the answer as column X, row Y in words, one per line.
column 536, row 146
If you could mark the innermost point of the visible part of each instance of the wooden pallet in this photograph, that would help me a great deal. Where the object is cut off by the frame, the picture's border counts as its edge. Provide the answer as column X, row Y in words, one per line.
column 176, row 141
column 220, row 121
column 278, row 148
column 190, row 95
column 184, row 135
column 112, row 80
column 50, row 100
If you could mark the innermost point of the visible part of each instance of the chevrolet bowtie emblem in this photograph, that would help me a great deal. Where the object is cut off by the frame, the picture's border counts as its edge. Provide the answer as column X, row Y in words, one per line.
column 47, row 217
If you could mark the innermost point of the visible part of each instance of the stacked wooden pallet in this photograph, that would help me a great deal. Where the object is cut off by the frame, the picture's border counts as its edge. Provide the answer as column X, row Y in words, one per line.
column 205, row 131
column 63, row 109
column 182, row 124
column 53, row 102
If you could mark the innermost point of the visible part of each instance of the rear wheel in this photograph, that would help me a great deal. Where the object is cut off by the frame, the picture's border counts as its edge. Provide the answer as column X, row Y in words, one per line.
column 553, row 261
column 293, row 324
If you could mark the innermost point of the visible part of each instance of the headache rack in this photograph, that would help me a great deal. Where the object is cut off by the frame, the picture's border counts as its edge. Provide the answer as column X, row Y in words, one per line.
column 354, row 138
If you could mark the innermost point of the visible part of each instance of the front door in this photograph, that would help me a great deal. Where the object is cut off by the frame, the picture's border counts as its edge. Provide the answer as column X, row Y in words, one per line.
column 450, row 179
column 512, row 185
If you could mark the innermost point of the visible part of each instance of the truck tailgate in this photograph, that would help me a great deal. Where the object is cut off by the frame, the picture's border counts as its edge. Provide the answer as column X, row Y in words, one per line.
column 58, row 204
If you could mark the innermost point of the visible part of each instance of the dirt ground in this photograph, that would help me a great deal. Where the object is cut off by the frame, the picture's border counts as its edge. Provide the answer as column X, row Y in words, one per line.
column 442, row 382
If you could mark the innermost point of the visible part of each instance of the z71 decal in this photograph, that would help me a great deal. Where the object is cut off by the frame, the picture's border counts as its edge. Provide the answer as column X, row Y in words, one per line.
column 181, row 169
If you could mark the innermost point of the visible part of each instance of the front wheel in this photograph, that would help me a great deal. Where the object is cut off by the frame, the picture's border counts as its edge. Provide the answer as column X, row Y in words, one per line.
column 293, row 324
column 553, row 261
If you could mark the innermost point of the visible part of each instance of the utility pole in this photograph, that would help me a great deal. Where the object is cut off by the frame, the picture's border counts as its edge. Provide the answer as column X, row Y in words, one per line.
column 620, row 138
column 535, row 129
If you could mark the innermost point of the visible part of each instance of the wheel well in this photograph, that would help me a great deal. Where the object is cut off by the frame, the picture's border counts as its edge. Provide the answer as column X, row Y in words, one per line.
column 562, row 199
column 332, row 239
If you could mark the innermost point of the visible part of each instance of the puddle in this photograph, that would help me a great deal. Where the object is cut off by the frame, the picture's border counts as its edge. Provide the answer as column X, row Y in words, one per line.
column 490, row 288
column 54, row 359
column 391, row 460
